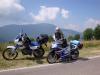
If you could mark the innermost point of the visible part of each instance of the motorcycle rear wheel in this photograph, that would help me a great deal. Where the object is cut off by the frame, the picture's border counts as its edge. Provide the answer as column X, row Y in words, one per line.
column 75, row 55
column 38, row 53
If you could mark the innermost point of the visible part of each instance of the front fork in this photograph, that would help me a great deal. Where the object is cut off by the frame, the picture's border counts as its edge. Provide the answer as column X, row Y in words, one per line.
column 14, row 49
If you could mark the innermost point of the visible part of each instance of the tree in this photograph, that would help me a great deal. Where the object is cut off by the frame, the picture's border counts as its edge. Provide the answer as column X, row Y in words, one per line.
column 88, row 34
column 97, row 32
column 77, row 37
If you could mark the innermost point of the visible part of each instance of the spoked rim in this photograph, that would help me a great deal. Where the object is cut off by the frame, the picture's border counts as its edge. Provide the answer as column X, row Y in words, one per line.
column 8, row 55
column 38, row 53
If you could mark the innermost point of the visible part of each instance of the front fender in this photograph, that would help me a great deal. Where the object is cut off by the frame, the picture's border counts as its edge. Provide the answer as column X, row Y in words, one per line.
column 12, row 47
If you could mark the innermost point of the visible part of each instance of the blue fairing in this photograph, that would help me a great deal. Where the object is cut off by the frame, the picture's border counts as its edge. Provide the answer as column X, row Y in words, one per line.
column 35, row 44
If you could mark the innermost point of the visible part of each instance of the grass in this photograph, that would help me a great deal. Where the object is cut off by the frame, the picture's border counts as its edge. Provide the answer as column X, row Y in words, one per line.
column 4, row 45
column 93, row 43
column 90, row 51
column 91, row 48
column 20, row 61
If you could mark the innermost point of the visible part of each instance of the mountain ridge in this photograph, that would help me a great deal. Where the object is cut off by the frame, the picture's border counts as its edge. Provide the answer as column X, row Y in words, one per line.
column 9, row 32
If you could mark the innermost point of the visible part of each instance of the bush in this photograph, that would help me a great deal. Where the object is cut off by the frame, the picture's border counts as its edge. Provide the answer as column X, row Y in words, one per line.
column 97, row 32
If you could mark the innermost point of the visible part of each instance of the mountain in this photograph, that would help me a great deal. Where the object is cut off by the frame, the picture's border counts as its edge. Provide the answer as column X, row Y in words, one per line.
column 9, row 32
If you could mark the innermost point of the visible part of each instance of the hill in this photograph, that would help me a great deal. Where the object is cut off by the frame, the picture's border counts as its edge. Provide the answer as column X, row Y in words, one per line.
column 9, row 32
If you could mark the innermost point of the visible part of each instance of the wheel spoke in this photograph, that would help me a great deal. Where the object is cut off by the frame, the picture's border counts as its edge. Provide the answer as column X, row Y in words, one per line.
column 8, row 55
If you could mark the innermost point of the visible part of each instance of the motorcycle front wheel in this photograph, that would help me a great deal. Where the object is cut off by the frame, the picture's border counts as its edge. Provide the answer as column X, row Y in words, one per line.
column 38, row 53
column 52, row 58
column 8, row 55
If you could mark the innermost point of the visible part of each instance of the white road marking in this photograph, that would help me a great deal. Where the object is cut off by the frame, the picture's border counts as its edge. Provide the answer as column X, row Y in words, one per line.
column 38, row 66
column 93, row 57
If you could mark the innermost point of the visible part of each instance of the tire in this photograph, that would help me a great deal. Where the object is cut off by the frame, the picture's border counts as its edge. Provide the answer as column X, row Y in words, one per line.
column 52, row 58
column 38, row 53
column 75, row 55
column 9, row 56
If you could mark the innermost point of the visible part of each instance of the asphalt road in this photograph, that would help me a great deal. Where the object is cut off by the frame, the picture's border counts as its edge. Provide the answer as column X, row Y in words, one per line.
column 80, row 67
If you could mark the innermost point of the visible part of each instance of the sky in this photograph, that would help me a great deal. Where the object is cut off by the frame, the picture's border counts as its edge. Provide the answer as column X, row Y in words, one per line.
column 68, row 14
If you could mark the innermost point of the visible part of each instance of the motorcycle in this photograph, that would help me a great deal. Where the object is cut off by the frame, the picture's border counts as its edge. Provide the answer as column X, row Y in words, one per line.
column 36, row 49
column 68, row 53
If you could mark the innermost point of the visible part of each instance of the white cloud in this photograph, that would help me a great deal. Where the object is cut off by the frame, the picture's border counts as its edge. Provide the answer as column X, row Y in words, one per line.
column 45, row 13
column 65, row 13
column 75, row 27
column 10, row 11
column 10, row 6
column 91, row 23
column 49, row 13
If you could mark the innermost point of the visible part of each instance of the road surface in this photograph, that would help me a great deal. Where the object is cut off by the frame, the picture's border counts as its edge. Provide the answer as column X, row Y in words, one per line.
column 80, row 67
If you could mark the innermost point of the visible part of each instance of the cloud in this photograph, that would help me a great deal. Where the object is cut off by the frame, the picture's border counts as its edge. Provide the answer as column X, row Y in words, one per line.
column 45, row 13
column 49, row 13
column 75, row 27
column 10, row 11
column 10, row 6
column 91, row 23
column 65, row 13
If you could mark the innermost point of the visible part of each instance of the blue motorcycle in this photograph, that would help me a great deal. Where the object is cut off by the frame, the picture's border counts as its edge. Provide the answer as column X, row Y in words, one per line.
column 35, row 49
column 59, row 53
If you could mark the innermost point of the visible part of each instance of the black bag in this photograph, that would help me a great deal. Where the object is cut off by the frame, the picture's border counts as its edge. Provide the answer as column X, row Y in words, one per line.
column 42, row 38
